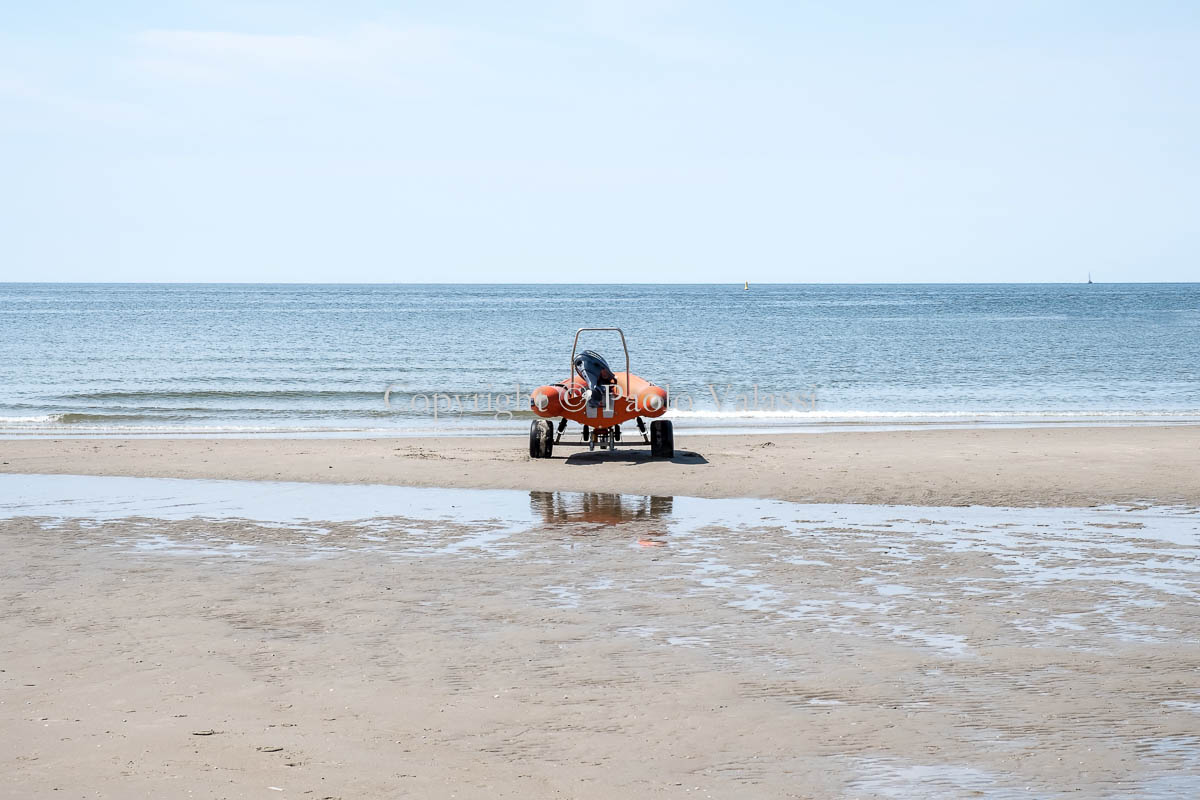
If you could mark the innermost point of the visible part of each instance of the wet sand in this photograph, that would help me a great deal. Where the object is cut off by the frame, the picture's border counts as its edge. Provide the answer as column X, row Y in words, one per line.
column 588, row 645
column 1063, row 466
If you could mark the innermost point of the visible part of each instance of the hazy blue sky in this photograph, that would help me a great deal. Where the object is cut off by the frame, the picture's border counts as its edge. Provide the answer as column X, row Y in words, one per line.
column 600, row 141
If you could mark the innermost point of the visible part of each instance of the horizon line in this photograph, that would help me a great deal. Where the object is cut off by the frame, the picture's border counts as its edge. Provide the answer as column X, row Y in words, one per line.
column 593, row 283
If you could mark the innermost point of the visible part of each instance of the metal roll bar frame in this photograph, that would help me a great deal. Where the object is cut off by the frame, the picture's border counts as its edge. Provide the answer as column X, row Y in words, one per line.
column 625, row 347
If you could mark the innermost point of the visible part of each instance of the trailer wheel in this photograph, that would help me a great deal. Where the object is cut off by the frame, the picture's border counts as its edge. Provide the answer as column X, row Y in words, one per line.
column 662, row 439
column 541, row 438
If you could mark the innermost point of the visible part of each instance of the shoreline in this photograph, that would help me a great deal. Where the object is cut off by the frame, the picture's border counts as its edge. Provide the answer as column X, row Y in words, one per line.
column 1013, row 467
column 881, row 425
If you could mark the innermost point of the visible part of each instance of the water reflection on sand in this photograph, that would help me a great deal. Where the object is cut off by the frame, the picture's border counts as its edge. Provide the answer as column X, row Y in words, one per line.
column 598, row 508
column 983, row 649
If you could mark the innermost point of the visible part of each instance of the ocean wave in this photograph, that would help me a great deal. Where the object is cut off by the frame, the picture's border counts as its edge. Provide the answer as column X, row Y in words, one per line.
column 227, row 394
column 86, row 424
column 373, row 423
column 864, row 415
column 43, row 428
column 48, row 420
column 258, row 417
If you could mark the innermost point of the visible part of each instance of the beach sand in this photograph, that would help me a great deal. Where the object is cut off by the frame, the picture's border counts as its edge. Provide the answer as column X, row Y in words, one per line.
column 813, row 658
column 1064, row 466
column 614, row 646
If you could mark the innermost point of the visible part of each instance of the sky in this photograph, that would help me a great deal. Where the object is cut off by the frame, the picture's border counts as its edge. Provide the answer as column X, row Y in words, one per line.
column 651, row 141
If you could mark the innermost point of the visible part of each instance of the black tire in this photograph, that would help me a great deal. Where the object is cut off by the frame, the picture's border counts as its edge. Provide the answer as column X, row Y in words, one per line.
column 662, row 439
column 541, row 439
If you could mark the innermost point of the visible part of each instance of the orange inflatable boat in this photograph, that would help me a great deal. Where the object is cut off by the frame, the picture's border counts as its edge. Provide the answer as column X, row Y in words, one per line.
column 600, row 400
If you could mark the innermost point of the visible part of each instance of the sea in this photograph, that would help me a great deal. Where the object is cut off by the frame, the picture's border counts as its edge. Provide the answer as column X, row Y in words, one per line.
column 455, row 359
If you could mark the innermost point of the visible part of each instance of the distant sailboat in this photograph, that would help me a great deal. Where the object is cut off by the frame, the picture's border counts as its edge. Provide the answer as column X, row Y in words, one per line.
column 1089, row 277
column 748, row 285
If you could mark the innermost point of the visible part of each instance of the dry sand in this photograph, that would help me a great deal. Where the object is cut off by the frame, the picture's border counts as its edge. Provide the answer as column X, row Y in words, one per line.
column 787, row 658
column 1061, row 466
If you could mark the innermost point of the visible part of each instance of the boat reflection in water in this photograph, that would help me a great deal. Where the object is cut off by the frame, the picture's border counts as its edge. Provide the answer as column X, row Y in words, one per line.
column 598, row 507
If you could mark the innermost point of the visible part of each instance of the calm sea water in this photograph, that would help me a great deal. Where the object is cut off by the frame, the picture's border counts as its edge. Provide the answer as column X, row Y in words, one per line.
column 93, row 359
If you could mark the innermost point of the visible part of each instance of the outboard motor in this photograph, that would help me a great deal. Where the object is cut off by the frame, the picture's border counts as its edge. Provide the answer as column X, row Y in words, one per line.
column 592, row 367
